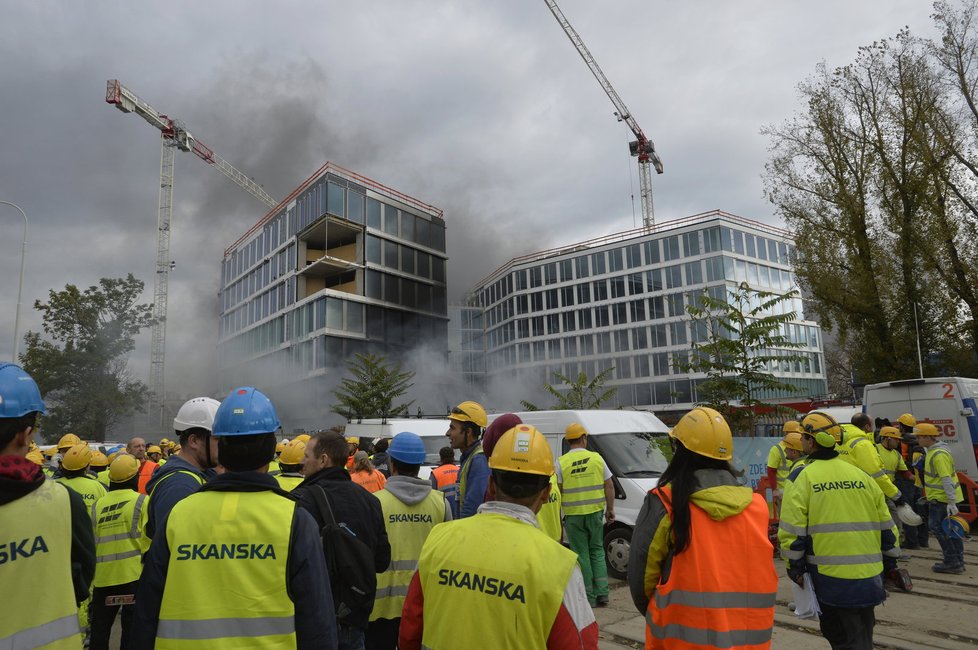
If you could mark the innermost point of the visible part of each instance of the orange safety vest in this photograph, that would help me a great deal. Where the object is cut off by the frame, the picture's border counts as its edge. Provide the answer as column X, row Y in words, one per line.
column 445, row 474
column 146, row 470
column 371, row 481
column 720, row 591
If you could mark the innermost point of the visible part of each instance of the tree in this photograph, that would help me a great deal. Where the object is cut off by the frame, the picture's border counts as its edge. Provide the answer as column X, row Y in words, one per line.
column 878, row 178
column 581, row 393
column 371, row 391
column 737, row 341
column 82, row 370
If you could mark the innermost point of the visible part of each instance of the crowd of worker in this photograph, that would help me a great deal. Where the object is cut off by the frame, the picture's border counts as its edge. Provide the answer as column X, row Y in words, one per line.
column 226, row 537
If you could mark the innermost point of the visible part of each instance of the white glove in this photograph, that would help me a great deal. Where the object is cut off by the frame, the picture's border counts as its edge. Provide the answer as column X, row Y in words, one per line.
column 951, row 510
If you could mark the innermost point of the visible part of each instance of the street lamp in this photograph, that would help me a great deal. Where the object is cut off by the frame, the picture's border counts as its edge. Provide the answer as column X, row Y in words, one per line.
column 20, row 284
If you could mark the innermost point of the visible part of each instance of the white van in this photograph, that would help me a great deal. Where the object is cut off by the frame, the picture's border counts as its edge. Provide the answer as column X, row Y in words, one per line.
column 946, row 402
column 431, row 430
column 632, row 444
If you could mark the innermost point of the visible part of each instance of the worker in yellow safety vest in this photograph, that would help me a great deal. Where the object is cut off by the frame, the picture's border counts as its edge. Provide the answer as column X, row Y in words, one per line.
column 290, row 463
column 778, row 462
column 943, row 492
column 47, row 528
column 238, row 564
column 412, row 508
column 119, row 518
column 858, row 448
column 467, row 421
column 74, row 474
column 495, row 580
column 589, row 503
column 836, row 528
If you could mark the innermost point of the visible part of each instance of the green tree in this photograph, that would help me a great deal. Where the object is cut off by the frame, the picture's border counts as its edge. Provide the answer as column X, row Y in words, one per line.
column 738, row 341
column 374, row 386
column 581, row 393
column 82, row 366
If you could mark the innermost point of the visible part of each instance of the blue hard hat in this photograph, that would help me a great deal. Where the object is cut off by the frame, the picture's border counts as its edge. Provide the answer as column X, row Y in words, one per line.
column 245, row 412
column 407, row 448
column 19, row 394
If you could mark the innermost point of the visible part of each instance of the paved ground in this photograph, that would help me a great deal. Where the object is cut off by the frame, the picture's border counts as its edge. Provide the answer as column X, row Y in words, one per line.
column 941, row 612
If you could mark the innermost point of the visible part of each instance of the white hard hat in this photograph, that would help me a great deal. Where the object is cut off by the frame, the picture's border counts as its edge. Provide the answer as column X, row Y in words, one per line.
column 196, row 413
column 908, row 516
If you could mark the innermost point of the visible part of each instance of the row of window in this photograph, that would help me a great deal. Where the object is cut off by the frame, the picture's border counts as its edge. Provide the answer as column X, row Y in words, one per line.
column 405, row 259
column 406, row 292
column 258, row 278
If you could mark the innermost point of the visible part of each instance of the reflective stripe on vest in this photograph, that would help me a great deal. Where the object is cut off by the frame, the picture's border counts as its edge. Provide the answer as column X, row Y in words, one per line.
column 236, row 543
column 932, row 479
column 37, row 527
column 582, row 475
column 524, row 589
column 704, row 604
column 407, row 527
column 119, row 518
column 196, row 477
column 445, row 475
column 782, row 468
column 463, row 476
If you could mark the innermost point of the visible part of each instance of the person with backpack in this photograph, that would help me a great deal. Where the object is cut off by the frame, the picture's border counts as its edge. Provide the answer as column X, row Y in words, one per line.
column 345, row 513
column 238, row 563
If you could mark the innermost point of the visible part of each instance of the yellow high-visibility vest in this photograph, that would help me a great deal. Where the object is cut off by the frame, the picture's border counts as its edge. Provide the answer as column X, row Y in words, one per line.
column 549, row 515
column 86, row 486
column 778, row 459
column 289, row 482
column 939, row 464
column 119, row 519
column 582, row 475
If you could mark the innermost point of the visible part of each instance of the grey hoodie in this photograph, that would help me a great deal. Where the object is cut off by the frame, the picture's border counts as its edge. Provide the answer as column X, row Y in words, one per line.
column 412, row 490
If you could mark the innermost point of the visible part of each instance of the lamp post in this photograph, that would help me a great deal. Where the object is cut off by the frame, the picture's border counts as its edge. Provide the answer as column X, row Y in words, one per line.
column 20, row 284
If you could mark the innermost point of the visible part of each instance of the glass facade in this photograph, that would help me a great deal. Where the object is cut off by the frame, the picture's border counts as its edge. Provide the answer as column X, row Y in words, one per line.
column 347, row 266
column 622, row 305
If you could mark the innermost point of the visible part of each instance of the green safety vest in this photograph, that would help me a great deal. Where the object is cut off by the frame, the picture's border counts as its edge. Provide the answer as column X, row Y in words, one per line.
column 89, row 489
column 407, row 529
column 939, row 464
column 289, row 481
column 35, row 562
column 549, row 515
column 510, row 573
column 846, row 514
column 226, row 578
column 582, row 475
column 463, row 476
column 119, row 518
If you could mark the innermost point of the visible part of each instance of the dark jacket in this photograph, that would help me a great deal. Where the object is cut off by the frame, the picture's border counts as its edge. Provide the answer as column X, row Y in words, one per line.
column 307, row 578
column 361, row 512
column 18, row 478
column 180, row 483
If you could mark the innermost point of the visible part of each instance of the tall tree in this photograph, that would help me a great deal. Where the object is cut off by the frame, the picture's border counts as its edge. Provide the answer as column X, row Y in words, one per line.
column 739, row 340
column 82, row 370
column 582, row 392
column 372, row 389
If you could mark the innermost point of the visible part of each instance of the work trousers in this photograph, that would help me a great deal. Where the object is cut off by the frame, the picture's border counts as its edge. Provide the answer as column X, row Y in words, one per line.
column 382, row 634
column 349, row 637
column 953, row 549
column 847, row 628
column 913, row 536
column 585, row 534
column 103, row 616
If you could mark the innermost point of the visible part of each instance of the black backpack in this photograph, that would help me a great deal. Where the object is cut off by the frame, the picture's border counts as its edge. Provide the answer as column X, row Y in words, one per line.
column 350, row 561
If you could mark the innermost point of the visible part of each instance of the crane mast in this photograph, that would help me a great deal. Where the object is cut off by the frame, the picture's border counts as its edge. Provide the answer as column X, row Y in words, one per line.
column 641, row 147
column 173, row 136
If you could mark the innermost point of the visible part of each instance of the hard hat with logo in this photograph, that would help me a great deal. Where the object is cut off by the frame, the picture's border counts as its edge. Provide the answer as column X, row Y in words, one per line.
column 926, row 429
column 956, row 527
column 197, row 413
column 523, row 449
column 68, row 441
column 470, row 412
column 153, row 449
column 890, row 432
column 19, row 394
column 703, row 431
column 123, row 468
column 245, row 412
column 907, row 420
column 823, row 427
column 293, row 453
column 78, row 457
column 35, row 456
column 407, row 447
column 98, row 459
column 792, row 426
column 792, row 440
column 575, row 431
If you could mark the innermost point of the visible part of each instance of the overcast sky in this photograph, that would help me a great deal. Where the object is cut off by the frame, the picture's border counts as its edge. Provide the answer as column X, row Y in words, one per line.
column 483, row 109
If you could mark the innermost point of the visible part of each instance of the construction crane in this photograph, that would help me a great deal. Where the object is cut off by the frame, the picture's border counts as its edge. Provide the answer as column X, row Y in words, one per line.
column 173, row 136
column 641, row 146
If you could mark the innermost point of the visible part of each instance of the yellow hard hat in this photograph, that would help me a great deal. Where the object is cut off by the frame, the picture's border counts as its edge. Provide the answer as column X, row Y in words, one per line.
column 792, row 426
column 294, row 451
column 823, row 427
column 703, row 431
column 302, row 437
column 523, row 449
column 33, row 446
column 574, row 431
column 792, row 440
column 98, row 459
column 353, row 440
column 926, row 429
column 50, row 451
column 470, row 412
column 123, row 468
column 165, row 442
column 35, row 457
column 113, row 456
column 177, row 448
column 890, row 432
column 68, row 441
column 907, row 420
column 280, row 447
column 78, row 457
column 153, row 449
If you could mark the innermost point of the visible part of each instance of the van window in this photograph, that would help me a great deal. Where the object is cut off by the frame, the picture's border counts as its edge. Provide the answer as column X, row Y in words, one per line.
column 631, row 455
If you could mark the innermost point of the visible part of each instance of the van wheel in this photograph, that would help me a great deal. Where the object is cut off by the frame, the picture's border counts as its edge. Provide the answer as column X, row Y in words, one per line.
column 616, row 544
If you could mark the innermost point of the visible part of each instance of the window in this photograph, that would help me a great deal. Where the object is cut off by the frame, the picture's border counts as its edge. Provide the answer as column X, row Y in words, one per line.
column 553, row 324
column 407, row 259
column 694, row 272
column 567, row 296
column 633, row 256
column 711, row 240
column 751, row 250
column 584, row 319
column 522, row 304
column 536, row 301
column 390, row 254
column 762, row 248
column 601, row 316
column 674, row 276
column 654, row 279
column 714, row 269
column 600, row 290
column 335, row 198
column 621, row 341
column 536, row 277
column 566, row 272
column 635, row 284
column 390, row 220
column 603, row 342
column 623, row 367
column 657, row 308
column 373, row 249
column 660, row 363
column 691, row 242
column 615, row 260
column 597, row 263
column 373, row 213
column 550, row 273
column 675, row 304
column 536, row 325
column 587, row 345
column 520, row 279
column 640, row 338
column 568, row 321
column 583, row 293
column 637, row 310
column 582, row 266
column 523, row 328
column 641, row 364
column 652, row 251
column 617, row 287
column 354, row 208
column 619, row 313
column 570, row 346
column 738, row 242
column 657, row 336
column 772, row 251
column 670, row 248
column 424, row 265
column 551, row 299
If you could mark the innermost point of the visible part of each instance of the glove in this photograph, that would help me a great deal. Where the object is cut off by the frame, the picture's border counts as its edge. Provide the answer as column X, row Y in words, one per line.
column 796, row 572
column 899, row 500
column 952, row 510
